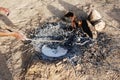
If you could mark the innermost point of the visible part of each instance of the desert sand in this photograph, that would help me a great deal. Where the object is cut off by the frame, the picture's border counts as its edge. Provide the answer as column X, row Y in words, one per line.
column 18, row 61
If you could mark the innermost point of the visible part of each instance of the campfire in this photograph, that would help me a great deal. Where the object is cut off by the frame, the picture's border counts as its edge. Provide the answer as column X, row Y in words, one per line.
column 66, row 36
column 57, row 39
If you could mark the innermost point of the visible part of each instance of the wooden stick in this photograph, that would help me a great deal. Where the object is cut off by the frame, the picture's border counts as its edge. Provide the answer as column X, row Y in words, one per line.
column 58, row 41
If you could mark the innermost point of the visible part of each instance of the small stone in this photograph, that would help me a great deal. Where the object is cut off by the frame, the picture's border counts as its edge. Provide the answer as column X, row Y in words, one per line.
column 100, row 26
column 96, row 19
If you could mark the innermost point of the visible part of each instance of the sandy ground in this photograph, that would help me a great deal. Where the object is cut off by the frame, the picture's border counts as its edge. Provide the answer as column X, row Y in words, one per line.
column 19, row 62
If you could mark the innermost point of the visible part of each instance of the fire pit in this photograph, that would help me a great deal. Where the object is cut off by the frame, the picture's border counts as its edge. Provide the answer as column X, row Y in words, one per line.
column 57, row 40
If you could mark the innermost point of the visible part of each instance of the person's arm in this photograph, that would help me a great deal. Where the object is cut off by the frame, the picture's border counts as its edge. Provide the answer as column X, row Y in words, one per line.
column 17, row 35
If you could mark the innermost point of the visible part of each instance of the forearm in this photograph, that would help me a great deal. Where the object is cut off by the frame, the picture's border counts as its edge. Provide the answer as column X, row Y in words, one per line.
column 6, row 34
column 17, row 35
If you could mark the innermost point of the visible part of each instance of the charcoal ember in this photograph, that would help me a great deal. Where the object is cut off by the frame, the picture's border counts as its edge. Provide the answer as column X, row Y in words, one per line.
column 70, row 41
column 27, row 41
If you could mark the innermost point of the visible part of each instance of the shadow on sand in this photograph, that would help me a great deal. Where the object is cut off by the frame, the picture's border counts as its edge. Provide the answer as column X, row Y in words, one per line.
column 115, row 14
column 68, row 7
column 5, row 73
column 7, row 21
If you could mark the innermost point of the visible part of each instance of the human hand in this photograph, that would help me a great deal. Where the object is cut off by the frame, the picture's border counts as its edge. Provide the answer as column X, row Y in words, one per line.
column 19, row 36
column 5, row 11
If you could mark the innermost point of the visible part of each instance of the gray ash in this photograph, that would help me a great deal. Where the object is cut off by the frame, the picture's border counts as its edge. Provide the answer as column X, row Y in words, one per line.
column 74, row 39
